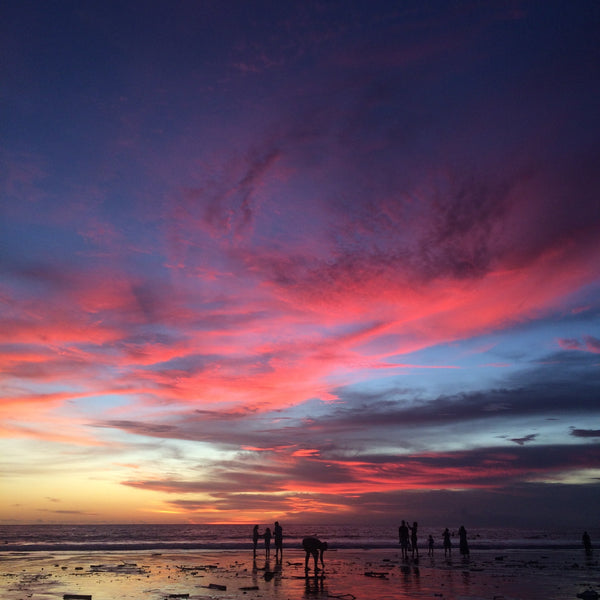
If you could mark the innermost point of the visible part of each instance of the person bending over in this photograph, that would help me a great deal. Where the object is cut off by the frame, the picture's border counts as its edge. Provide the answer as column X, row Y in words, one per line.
column 316, row 547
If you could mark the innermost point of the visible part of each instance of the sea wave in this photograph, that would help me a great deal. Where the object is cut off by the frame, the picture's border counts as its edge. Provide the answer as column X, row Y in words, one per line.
column 143, row 537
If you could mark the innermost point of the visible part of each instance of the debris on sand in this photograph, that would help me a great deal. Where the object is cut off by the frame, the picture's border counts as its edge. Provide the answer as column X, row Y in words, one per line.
column 215, row 586
column 589, row 595
column 379, row 575
column 197, row 568
column 122, row 568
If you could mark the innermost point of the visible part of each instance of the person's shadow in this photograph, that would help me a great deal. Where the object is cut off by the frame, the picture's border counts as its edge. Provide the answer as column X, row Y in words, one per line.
column 315, row 584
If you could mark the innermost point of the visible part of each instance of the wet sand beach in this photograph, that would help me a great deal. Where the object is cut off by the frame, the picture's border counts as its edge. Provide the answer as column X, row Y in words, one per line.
column 375, row 574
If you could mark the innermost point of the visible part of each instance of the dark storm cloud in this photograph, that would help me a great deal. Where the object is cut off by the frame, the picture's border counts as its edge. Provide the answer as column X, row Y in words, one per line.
column 460, row 408
column 485, row 467
column 483, row 487
column 479, row 468
column 139, row 428
column 585, row 433
column 526, row 505
column 540, row 387
column 523, row 440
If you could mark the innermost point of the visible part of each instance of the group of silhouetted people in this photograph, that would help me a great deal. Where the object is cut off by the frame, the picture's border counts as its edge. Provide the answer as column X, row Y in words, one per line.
column 407, row 536
column 312, row 545
column 408, row 540
column 267, row 535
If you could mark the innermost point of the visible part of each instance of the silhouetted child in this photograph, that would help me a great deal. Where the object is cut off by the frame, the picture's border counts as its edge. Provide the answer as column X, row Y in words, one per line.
column 413, row 539
column 267, row 536
column 403, row 539
column 430, row 545
column 447, row 542
column 255, row 536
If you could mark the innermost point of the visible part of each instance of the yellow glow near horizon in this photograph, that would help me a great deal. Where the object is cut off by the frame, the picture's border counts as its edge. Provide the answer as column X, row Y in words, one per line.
column 73, row 499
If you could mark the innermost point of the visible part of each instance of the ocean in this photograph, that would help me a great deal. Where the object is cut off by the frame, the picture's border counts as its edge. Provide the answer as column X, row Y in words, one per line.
column 27, row 538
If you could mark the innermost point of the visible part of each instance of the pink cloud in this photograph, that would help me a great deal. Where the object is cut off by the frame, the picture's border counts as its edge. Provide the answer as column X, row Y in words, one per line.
column 587, row 344
column 289, row 339
column 46, row 428
column 592, row 344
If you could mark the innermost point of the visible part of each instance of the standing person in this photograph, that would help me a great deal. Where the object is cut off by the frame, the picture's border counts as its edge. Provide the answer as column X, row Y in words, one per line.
column 403, row 539
column 430, row 545
column 447, row 542
column 463, row 544
column 267, row 536
column 278, row 534
column 413, row 539
column 316, row 547
column 587, row 542
column 255, row 536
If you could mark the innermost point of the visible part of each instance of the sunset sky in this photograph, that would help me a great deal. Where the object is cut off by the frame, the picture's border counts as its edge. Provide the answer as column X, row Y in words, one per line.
column 327, row 261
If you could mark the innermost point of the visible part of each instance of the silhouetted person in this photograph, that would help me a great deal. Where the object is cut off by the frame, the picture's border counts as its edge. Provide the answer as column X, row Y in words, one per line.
column 316, row 547
column 463, row 544
column 255, row 536
column 447, row 542
column 413, row 539
column 278, row 534
column 430, row 545
column 267, row 536
column 587, row 542
column 403, row 539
